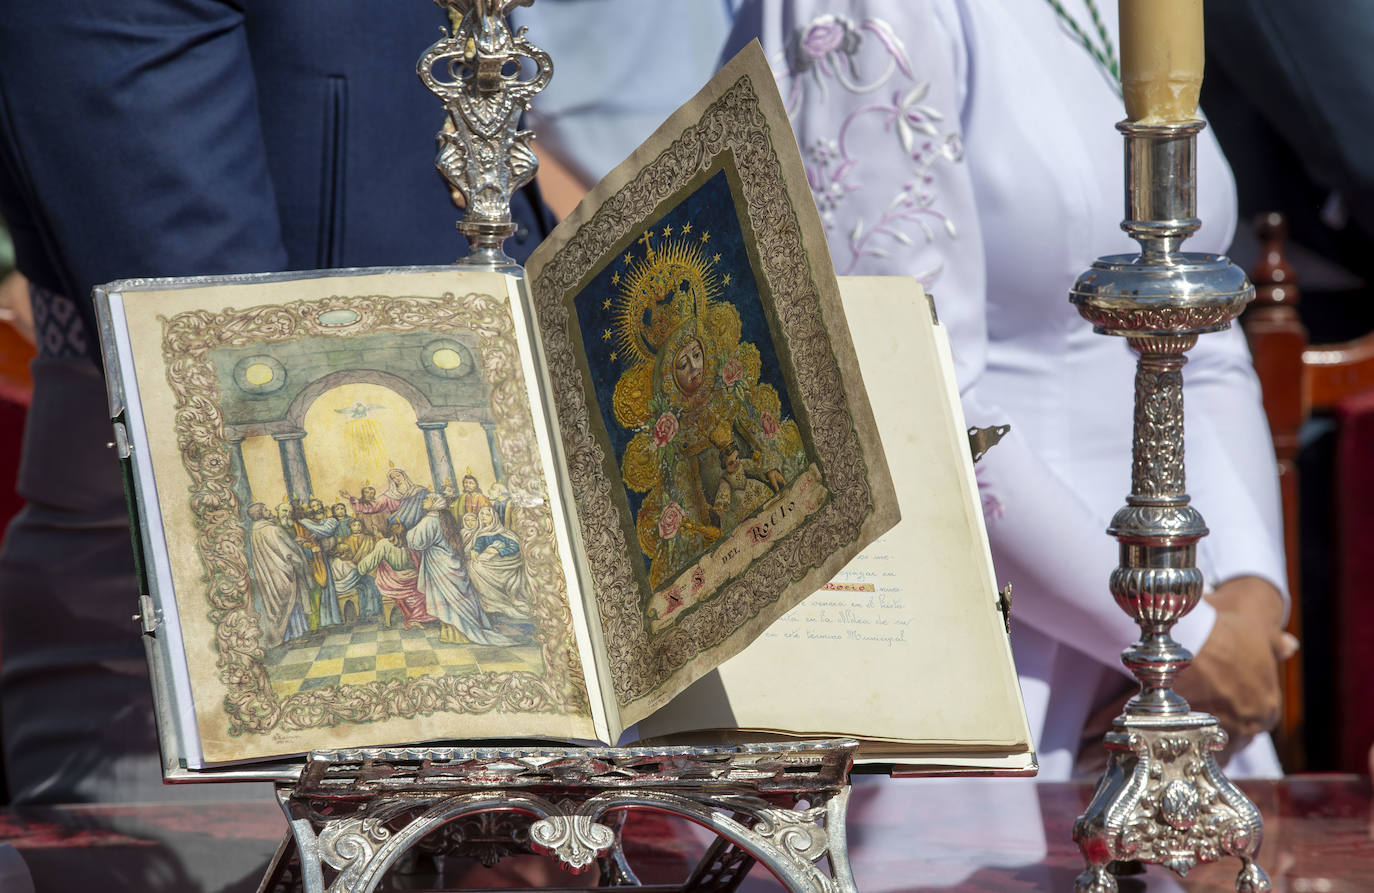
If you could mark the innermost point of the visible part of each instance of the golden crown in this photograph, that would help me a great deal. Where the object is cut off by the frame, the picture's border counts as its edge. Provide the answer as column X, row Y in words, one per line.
column 659, row 292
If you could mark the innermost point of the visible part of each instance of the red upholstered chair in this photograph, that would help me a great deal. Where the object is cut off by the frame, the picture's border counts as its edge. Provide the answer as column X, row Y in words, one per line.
column 15, row 390
column 1298, row 380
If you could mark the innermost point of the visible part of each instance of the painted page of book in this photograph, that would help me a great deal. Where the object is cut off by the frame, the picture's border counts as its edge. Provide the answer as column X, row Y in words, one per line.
column 719, row 443
column 355, row 522
column 905, row 648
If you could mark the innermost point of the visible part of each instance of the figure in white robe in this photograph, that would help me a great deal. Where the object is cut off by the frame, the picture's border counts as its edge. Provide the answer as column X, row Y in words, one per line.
column 281, row 578
column 969, row 144
column 449, row 594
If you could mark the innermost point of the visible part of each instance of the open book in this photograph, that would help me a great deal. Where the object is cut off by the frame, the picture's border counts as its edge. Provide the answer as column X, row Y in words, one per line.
column 906, row 649
column 390, row 506
column 378, row 507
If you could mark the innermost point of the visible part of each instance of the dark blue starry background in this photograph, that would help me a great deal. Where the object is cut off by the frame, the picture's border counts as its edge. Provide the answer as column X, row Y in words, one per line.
column 708, row 209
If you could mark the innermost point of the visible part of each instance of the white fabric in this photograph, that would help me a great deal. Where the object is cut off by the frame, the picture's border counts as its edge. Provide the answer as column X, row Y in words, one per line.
column 620, row 68
column 971, row 143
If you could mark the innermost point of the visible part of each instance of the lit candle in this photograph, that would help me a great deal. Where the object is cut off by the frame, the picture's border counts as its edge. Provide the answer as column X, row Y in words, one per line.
column 1161, row 59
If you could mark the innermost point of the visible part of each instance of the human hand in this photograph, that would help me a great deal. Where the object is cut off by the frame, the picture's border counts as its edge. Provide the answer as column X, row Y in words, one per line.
column 776, row 480
column 1235, row 675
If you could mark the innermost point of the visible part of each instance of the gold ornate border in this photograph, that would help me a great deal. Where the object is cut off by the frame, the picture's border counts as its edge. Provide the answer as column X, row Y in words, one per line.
column 735, row 123
column 251, row 705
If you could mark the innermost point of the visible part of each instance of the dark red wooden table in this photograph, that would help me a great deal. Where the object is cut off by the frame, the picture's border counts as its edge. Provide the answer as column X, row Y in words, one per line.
column 997, row 835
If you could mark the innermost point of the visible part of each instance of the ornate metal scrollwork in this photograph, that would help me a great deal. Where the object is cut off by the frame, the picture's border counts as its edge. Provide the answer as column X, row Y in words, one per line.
column 1163, row 800
column 350, row 845
column 801, row 835
column 361, row 811
column 486, row 75
column 574, row 840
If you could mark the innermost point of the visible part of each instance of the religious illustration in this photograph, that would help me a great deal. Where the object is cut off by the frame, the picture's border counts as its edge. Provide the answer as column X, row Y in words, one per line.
column 711, row 445
column 408, row 505
column 353, row 563
column 694, row 403
column 722, row 454
column 391, row 512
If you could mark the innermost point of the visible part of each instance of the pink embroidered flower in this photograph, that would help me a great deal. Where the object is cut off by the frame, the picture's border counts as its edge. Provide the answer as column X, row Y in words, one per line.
column 813, row 44
column 670, row 520
column 733, row 371
column 865, row 57
column 770, row 425
column 665, row 429
column 824, row 35
column 674, row 599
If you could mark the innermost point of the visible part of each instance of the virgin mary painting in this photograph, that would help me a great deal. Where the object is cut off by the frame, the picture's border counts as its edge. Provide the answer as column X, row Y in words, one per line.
column 692, row 396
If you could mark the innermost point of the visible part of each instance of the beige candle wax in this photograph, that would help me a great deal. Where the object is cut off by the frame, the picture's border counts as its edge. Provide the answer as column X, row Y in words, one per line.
column 1161, row 59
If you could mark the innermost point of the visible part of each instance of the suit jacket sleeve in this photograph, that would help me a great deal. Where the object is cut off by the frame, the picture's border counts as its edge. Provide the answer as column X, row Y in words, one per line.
column 131, row 143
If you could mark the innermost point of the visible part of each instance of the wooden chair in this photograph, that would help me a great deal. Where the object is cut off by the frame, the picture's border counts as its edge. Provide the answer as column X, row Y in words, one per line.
column 1297, row 380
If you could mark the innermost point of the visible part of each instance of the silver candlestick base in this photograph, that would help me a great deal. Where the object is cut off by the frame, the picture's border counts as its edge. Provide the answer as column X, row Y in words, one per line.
column 1163, row 799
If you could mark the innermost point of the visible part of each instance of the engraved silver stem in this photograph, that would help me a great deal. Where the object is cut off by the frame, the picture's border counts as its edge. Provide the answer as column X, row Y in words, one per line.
column 1157, row 581
column 486, row 76
column 1163, row 799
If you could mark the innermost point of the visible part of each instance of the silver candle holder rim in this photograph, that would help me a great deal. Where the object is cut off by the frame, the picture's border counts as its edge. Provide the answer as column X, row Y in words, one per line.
column 1122, row 294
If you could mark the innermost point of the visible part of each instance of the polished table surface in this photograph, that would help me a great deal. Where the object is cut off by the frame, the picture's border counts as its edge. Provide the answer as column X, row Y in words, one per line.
column 907, row 834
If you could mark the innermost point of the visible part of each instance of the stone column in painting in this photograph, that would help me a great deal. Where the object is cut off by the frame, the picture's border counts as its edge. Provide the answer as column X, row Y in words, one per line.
column 440, row 462
column 293, row 467
column 496, row 469
column 242, row 492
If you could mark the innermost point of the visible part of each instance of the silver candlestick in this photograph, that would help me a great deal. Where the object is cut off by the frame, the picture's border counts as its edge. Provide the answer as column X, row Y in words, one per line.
column 487, row 75
column 1163, row 799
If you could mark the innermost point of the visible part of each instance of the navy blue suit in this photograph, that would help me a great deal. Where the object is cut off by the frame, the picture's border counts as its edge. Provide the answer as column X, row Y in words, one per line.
column 160, row 138
column 174, row 137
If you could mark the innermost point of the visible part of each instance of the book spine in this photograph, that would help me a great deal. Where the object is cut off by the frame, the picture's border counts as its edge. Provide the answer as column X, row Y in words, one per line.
column 114, row 386
column 146, row 611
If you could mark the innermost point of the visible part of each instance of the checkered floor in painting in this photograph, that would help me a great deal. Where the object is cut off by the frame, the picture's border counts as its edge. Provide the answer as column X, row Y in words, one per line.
column 366, row 651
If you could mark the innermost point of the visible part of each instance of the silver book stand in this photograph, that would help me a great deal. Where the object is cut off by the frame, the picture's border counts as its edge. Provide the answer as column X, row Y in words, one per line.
column 354, row 814
column 1163, row 799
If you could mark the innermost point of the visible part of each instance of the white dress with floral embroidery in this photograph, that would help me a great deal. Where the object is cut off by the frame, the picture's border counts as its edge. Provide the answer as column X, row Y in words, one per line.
column 970, row 143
